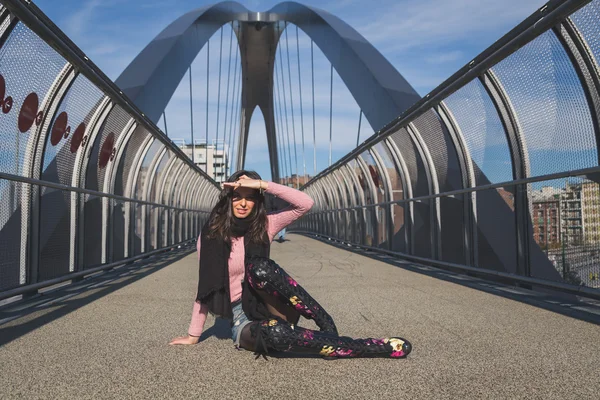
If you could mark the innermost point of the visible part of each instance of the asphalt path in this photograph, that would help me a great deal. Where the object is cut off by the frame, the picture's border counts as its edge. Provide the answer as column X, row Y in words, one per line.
column 107, row 337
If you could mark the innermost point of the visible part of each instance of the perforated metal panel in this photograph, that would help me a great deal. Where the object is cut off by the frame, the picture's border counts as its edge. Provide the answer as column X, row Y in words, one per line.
column 10, row 233
column 77, row 106
column 398, row 211
column 414, row 164
column 550, row 105
column 28, row 67
column 118, row 229
column 497, row 235
column 138, row 138
column 55, row 221
column 483, row 133
column 159, row 175
column 565, row 230
column 586, row 20
column 104, row 147
column 441, row 148
column 92, row 238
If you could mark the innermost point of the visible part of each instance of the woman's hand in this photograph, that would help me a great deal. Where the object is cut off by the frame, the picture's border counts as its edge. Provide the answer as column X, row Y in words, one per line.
column 244, row 181
column 185, row 340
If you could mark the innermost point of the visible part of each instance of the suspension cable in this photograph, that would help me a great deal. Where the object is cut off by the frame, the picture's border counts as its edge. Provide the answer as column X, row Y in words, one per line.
column 218, row 105
column 312, row 63
column 234, row 102
column 239, row 116
column 227, row 98
column 285, row 110
column 192, row 118
column 359, row 121
column 287, row 48
column 278, row 100
column 207, row 96
column 301, row 108
column 330, row 114
column 274, row 124
column 165, row 122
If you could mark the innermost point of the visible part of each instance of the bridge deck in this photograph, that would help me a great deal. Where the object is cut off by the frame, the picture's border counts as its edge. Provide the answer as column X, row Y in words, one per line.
column 107, row 337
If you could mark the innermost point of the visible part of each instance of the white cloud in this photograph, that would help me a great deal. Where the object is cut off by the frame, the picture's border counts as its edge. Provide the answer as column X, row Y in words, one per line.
column 80, row 21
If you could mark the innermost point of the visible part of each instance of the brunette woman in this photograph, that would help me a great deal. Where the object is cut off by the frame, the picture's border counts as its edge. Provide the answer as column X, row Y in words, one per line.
column 239, row 282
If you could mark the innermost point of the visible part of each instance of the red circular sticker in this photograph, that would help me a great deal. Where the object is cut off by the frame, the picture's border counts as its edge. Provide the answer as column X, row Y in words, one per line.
column 106, row 150
column 28, row 112
column 77, row 137
column 59, row 128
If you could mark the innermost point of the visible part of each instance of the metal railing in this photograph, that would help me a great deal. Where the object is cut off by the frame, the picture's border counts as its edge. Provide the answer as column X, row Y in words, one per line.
column 87, row 182
column 462, row 178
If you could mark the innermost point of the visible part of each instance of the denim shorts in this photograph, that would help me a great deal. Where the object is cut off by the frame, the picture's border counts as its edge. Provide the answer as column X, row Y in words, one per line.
column 239, row 322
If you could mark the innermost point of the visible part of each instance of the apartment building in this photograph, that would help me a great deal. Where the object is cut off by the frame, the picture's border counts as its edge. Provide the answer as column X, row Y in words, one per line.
column 212, row 159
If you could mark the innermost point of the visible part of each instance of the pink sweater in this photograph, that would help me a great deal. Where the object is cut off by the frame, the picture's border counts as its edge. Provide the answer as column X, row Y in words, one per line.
column 300, row 203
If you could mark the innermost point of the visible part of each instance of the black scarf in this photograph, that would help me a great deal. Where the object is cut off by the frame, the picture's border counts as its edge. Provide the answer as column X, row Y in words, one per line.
column 213, row 282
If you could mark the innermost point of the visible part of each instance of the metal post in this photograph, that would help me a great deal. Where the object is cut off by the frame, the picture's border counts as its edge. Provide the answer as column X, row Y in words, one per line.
column 192, row 119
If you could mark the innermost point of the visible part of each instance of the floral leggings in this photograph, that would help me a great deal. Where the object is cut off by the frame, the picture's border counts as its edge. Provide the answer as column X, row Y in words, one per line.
column 280, row 335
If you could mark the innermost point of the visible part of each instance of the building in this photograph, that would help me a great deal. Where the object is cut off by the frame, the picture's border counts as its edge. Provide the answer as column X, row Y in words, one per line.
column 212, row 159
column 546, row 216
column 295, row 180
column 590, row 205
column 571, row 214
column 546, row 222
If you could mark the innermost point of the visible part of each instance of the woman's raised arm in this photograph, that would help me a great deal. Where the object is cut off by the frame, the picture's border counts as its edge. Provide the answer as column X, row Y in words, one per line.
column 300, row 204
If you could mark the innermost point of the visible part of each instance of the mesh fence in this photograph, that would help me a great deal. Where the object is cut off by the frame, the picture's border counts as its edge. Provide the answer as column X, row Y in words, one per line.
column 50, row 113
column 443, row 188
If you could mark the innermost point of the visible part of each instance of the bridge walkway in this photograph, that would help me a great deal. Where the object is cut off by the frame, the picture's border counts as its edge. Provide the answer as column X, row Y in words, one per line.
column 106, row 337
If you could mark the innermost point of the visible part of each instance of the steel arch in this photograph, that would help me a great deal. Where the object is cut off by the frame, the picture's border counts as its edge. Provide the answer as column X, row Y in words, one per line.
column 152, row 77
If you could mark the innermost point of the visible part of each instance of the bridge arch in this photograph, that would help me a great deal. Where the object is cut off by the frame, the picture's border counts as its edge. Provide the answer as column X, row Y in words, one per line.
column 152, row 77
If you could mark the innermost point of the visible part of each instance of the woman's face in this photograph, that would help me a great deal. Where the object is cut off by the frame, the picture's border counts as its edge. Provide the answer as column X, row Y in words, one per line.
column 243, row 201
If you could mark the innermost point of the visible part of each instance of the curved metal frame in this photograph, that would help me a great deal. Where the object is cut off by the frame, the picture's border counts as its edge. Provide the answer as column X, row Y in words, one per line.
column 406, row 181
column 147, row 213
column 130, row 189
column 77, row 200
column 34, row 156
column 152, row 77
column 388, row 213
column 470, row 239
column 520, row 160
column 109, row 181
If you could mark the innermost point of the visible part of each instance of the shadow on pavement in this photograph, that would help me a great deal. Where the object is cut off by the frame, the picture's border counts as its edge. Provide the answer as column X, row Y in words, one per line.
column 221, row 330
column 27, row 315
column 583, row 309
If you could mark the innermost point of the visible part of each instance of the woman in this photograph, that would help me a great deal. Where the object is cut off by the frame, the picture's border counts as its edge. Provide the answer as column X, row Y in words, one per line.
column 239, row 282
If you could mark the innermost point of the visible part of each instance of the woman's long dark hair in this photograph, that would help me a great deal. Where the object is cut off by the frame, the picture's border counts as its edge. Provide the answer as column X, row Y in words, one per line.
column 222, row 219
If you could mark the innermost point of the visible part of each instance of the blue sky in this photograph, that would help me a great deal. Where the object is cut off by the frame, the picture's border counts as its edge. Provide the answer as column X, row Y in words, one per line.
column 426, row 40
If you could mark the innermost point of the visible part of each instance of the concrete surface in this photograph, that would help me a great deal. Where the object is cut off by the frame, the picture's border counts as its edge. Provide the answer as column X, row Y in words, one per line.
column 107, row 337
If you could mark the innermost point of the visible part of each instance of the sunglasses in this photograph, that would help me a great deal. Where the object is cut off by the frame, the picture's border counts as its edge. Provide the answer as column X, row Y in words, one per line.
column 239, row 197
